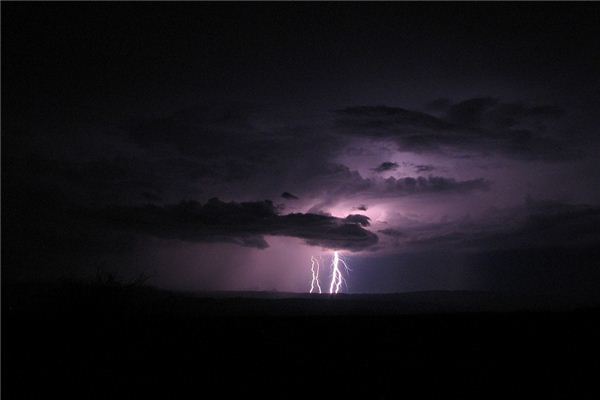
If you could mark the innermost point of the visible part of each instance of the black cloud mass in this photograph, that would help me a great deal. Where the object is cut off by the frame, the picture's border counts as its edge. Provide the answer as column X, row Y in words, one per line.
column 482, row 124
column 386, row 166
column 241, row 223
column 288, row 196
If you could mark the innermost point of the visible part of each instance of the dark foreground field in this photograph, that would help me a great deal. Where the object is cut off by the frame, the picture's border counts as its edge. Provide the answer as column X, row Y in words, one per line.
column 78, row 341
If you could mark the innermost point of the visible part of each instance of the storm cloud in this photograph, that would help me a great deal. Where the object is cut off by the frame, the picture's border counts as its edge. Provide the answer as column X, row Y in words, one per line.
column 241, row 223
column 341, row 180
column 482, row 124
column 289, row 196
column 386, row 166
column 534, row 224
column 432, row 184
column 392, row 232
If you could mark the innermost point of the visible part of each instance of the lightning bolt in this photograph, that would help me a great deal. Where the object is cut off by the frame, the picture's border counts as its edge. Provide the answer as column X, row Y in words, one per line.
column 314, row 268
column 336, row 277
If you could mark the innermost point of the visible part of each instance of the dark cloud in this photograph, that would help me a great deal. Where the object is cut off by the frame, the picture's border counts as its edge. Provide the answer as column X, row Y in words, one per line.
column 377, row 119
column 432, row 184
column 218, row 142
column 362, row 207
column 483, row 125
column 340, row 180
column 228, row 146
column 241, row 223
column 424, row 168
column 358, row 219
column 386, row 166
column 558, row 224
column 540, row 247
column 537, row 224
column 470, row 112
column 289, row 196
column 396, row 233
column 491, row 113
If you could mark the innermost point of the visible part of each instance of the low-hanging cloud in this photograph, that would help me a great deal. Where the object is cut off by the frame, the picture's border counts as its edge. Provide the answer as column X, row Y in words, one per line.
column 241, row 223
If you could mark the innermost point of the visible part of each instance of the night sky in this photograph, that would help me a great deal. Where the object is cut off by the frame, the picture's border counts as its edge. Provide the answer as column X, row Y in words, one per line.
column 220, row 146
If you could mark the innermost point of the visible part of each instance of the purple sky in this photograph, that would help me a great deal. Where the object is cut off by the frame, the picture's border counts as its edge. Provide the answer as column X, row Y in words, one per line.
column 471, row 145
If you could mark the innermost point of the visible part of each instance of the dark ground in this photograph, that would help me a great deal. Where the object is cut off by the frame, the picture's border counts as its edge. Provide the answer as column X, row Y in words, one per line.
column 86, row 341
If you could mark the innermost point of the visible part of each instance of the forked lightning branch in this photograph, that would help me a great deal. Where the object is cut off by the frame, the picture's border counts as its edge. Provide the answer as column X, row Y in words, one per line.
column 337, row 274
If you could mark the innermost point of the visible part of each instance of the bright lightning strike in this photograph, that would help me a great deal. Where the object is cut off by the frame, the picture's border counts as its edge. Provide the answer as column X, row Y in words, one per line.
column 314, row 268
column 336, row 277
